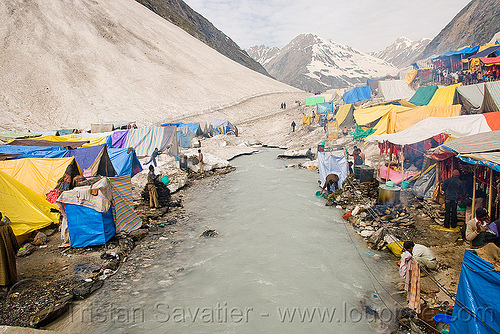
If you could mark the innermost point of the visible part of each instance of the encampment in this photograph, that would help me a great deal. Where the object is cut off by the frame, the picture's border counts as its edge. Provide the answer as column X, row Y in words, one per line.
column 145, row 140
column 357, row 94
column 222, row 126
column 93, row 160
column 345, row 116
column 423, row 95
column 395, row 89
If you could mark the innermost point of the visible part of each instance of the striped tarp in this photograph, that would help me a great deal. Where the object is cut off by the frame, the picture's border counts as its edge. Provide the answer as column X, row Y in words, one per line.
column 126, row 219
column 145, row 140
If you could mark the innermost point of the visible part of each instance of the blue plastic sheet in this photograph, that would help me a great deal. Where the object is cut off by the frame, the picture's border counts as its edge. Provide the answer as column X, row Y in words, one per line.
column 85, row 156
column 88, row 227
column 324, row 108
column 33, row 151
column 125, row 161
column 357, row 94
column 477, row 293
column 463, row 52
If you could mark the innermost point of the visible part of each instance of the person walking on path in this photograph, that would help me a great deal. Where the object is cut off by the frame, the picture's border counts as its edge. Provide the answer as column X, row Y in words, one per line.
column 284, row 105
column 153, row 157
column 153, row 193
column 453, row 189
column 200, row 159
column 8, row 251
column 293, row 126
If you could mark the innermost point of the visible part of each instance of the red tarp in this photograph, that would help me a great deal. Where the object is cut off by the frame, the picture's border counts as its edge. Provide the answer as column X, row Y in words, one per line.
column 490, row 61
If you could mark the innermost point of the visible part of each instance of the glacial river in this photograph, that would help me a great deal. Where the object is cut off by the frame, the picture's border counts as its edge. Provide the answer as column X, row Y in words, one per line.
column 282, row 263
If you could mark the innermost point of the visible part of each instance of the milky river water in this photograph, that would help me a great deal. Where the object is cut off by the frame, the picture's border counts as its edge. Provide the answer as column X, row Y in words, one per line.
column 282, row 263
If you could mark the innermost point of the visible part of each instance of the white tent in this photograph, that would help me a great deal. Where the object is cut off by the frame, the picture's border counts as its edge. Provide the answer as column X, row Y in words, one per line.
column 395, row 89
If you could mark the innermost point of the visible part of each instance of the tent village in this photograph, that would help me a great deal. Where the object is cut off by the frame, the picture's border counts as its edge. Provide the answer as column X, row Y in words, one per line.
column 415, row 132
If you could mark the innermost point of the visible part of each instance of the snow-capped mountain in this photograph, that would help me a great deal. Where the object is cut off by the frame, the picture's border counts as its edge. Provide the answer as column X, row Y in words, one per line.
column 262, row 54
column 317, row 64
column 403, row 51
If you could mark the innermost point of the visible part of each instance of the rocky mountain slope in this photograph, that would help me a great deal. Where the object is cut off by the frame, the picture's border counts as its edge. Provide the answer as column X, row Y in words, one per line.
column 315, row 64
column 180, row 14
column 66, row 64
column 475, row 24
column 403, row 51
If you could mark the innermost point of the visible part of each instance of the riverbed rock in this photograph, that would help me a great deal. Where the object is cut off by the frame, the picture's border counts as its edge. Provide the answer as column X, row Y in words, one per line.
column 367, row 233
column 377, row 236
column 139, row 234
column 40, row 239
column 209, row 234
column 85, row 289
column 26, row 250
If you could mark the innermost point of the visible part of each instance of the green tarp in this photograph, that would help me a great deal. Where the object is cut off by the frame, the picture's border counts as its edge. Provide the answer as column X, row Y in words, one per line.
column 360, row 134
column 311, row 101
column 423, row 95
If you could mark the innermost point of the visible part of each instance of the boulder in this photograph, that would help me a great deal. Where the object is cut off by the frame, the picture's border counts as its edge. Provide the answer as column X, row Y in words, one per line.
column 40, row 239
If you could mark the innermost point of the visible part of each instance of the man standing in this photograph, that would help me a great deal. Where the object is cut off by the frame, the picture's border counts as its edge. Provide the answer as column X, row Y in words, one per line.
column 200, row 159
column 8, row 251
column 153, row 193
column 453, row 189
column 293, row 126
column 153, row 156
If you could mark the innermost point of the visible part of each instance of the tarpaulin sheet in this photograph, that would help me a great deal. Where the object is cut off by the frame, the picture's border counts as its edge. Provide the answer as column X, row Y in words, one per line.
column 118, row 139
column 394, row 176
column 423, row 95
column 324, row 108
column 306, row 120
column 125, row 161
column 488, row 159
column 359, row 133
column 312, row 100
column 33, row 151
column 332, row 163
column 85, row 157
column 18, row 135
column 398, row 102
column 145, row 140
column 222, row 126
column 39, row 174
column 395, row 89
column 94, row 158
column 490, row 61
column 477, row 306
column 481, row 142
column 471, row 96
column 410, row 76
column 47, row 143
column 124, row 216
column 463, row 52
column 26, row 210
column 91, row 141
column 491, row 101
column 368, row 115
column 406, row 118
column 424, row 185
column 444, row 96
column 357, row 94
column 88, row 227
column 345, row 115
column 458, row 126
column 484, row 52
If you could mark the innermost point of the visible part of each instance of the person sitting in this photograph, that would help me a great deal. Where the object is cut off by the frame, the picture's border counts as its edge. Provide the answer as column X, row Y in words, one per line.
column 8, row 250
column 332, row 180
column 309, row 154
column 345, row 132
column 478, row 232
column 422, row 254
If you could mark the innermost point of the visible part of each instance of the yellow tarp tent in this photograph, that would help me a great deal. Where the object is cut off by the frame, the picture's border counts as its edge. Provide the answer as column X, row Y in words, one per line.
column 444, row 96
column 306, row 120
column 399, row 102
column 342, row 113
column 26, row 210
column 410, row 76
column 39, row 174
column 93, row 141
column 368, row 115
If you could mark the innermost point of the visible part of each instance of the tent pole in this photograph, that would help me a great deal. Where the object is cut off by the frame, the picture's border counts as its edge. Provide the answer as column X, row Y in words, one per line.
column 388, row 167
column 402, row 165
column 473, row 213
column 490, row 195
column 378, row 164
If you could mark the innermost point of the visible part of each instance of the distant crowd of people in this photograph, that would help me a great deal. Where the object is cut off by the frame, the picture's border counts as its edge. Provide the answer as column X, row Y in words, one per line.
column 446, row 77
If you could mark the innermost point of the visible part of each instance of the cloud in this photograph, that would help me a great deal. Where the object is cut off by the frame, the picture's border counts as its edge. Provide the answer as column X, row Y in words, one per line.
column 367, row 25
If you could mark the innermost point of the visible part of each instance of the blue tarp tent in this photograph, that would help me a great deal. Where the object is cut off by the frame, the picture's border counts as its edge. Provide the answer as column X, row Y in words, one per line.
column 357, row 94
column 477, row 306
column 222, row 126
column 33, row 151
column 463, row 52
column 324, row 108
column 124, row 161
column 88, row 227
column 332, row 163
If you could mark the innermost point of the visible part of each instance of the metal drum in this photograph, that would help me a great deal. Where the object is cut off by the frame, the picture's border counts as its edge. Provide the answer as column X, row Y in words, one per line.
column 388, row 195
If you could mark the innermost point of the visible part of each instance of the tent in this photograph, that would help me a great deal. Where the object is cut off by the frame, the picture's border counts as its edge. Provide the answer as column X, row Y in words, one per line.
column 357, row 94
column 48, row 143
column 184, row 136
column 222, row 126
column 89, row 141
column 324, row 108
column 458, row 126
column 313, row 100
column 477, row 306
column 487, row 141
column 490, row 61
column 118, row 139
column 423, row 95
column 125, row 161
column 40, row 174
column 93, row 160
column 462, row 52
column 395, row 89
column 444, row 96
column 491, row 101
column 33, row 151
column 424, row 185
column 9, row 135
column 145, row 140
column 26, row 210
column 471, row 97
column 332, row 163
column 124, row 216
column 345, row 116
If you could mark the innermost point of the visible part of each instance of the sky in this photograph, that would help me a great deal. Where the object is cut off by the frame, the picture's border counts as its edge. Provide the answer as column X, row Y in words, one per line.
column 367, row 25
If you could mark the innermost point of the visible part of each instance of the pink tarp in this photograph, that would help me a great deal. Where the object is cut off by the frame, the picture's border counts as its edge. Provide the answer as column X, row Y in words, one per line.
column 393, row 175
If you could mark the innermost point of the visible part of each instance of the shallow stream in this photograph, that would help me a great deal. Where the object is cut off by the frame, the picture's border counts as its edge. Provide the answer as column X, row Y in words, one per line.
column 282, row 263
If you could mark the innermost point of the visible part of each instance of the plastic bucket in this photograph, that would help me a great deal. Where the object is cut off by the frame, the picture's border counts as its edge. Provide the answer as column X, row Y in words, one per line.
column 442, row 318
column 405, row 185
column 319, row 194
column 390, row 184
column 165, row 180
column 176, row 158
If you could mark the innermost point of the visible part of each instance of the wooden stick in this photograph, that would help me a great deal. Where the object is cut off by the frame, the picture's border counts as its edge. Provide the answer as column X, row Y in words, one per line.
column 388, row 167
column 473, row 213
column 490, row 195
